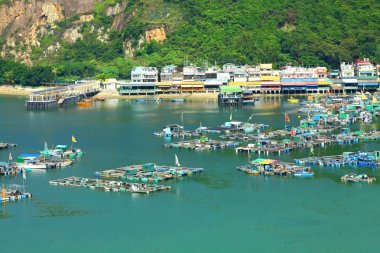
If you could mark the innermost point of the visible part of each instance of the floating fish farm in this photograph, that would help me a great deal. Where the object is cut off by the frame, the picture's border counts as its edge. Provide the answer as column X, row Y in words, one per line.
column 105, row 185
column 148, row 172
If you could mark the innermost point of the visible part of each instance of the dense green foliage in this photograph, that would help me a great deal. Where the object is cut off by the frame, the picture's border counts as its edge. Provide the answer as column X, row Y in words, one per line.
column 17, row 73
column 320, row 32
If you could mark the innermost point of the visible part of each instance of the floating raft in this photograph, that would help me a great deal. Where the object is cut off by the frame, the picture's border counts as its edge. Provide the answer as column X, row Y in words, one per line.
column 182, row 134
column 269, row 167
column 105, row 185
column 241, row 137
column 371, row 136
column 255, row 137
column 234, row 127
column 359, row 159
column 202, row 144
column 7, row 145
column 300, row 142
column 354, row 178
column 148, row 172
column 10, row 195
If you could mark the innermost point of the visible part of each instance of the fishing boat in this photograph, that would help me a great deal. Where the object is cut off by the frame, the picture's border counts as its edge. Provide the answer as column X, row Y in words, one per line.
column 61, row 151
column 31, row 162
column 154, row 99
column 85, row 102
column 177, row 100
column 293, row 100
column 304, row 172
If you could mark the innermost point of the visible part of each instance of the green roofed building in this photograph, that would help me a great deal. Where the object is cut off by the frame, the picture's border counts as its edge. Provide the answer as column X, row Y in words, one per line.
column 230, row 89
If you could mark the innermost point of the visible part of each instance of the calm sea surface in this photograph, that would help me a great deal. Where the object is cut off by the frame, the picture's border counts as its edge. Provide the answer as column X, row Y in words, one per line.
column 221, row 210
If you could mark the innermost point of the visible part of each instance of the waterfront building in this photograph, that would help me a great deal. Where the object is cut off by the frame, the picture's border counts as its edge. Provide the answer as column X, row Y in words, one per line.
column 193, row 73
column 230, row 95
column 168, row 72
column 237, row 73
column 297, row 80
column 144, row 75
column 214, row 79
column 143, row 82
column 240, row 76
column 193, row 79
column 170, row 78
column 366, row 74
column 323, row 80
column 269, row 79
column 348, row 78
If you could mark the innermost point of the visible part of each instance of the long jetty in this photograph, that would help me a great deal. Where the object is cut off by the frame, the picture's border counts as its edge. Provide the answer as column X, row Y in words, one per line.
column 105, row 185
column 61, row 96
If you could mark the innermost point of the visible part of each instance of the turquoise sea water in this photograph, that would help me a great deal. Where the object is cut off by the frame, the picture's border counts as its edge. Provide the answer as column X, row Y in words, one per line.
column 221, row 210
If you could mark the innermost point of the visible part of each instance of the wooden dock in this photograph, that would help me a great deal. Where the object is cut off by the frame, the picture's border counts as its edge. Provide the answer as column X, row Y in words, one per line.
column 61, row 96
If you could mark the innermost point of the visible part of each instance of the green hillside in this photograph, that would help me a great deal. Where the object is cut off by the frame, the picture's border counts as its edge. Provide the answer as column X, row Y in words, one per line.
column 319, row 32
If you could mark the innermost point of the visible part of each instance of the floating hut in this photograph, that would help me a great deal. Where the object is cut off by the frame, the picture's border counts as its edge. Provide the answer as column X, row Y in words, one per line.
column 269, row 167
column 61, row 151
column 177, row 131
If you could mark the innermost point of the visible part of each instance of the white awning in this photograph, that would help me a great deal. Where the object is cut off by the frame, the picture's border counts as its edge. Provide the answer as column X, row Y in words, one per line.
column 192, row 86
column 350, row 80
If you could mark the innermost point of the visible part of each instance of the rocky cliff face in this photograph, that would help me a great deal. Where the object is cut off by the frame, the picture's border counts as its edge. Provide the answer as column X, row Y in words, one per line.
column 24, row 22
column 21, row 23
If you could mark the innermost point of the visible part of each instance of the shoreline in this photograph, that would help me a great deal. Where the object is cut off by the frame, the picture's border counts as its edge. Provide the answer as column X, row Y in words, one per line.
column 12, row 90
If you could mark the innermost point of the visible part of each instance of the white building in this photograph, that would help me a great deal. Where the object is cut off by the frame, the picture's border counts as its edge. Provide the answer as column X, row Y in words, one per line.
column 144, row 74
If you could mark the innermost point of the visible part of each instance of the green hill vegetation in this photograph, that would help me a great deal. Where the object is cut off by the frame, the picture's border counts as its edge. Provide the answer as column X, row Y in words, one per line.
column 312, row 33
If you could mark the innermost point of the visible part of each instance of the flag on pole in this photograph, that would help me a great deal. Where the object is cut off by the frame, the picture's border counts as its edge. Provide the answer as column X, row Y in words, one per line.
column 73, row 139
column 24, row 174
column 287, row 118
column 250, row 117
column 10, row 156
column 177, row 161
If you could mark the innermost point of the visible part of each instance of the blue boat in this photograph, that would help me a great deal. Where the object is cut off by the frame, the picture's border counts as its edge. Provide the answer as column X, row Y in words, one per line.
column 177, row 100
column 304, row 173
